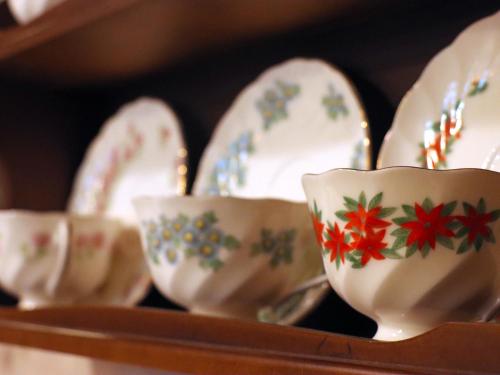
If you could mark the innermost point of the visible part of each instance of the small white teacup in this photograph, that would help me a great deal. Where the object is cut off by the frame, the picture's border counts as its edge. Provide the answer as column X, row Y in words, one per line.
column 54, row 258
column 411, row 248
column 227, row 256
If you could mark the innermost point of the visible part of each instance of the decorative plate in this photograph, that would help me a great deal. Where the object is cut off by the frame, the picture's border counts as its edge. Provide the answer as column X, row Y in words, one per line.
column 302, row 116
column 139, row 151
column 449, row 119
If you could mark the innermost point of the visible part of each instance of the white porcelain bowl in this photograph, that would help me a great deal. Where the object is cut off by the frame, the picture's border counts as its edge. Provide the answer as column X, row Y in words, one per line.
column 409, row 247
column 54, row 258
column 128, row 279
column 227, row 256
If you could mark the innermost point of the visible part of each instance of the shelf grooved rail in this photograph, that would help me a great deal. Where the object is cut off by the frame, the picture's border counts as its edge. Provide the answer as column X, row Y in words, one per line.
column 177, row 341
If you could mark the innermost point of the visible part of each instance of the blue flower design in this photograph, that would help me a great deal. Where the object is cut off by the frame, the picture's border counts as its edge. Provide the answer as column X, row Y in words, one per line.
column 359, row 156
column 229, row 171
column 208, row 250
column 197, row 237
column 202, row 223
column 273, row 105
column 279, row 246
column 153, row 239
column 171, row 255
column 334, row 103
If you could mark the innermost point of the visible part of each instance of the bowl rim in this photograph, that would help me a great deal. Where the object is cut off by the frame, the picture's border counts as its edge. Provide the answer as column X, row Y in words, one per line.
column 236, row 200
column 55, row 215
column 401, row 168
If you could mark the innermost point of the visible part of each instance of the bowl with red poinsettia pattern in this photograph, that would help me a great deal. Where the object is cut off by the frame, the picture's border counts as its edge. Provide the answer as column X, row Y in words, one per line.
column 411, row 248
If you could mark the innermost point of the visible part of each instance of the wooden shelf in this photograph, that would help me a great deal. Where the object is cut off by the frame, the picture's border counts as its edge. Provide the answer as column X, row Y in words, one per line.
column 78, row 43
column 180, row 342
column 197, row 55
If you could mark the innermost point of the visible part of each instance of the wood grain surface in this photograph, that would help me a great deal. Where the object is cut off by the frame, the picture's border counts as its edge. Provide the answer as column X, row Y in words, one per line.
column 182, row 342
column 63, row 74
column 77, row 43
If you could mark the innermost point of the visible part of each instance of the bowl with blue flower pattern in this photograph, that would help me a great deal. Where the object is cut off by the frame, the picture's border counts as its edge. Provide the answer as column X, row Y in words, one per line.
column 410, row 247
column 227, row 256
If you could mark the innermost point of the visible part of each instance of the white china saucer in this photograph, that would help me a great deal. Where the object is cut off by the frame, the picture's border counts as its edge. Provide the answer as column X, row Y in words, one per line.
column 302, row 116
column 139, row 151
column 450, row 118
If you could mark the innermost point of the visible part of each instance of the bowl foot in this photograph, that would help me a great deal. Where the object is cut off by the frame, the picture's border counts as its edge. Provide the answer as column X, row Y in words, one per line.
column 242, row 313
column 396, row 332
column 36, row 302
column 30, row 303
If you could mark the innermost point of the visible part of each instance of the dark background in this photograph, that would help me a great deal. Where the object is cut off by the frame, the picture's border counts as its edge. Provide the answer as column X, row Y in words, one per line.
column 45, row 127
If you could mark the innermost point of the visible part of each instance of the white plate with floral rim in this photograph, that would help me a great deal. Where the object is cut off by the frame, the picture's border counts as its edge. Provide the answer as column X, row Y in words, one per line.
column 139, row 151
column 302, row 116
column 451, row 116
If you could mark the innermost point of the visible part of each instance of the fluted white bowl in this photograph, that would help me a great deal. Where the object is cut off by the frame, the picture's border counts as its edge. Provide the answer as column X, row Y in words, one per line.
column 54, row 258
column 411, row 248
column 227, row 256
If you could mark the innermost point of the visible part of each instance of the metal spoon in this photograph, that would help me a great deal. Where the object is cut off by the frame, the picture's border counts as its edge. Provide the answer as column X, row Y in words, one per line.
column 287, row 304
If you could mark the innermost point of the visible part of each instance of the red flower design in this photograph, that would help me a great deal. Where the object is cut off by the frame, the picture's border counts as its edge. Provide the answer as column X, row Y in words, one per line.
column 318, row 228
column 476, row 223
column 428, row 226
column 336, row 244
column 370, row 245
column 41, row 240
column 97, row 240
column 365, row 221
column 81, row 241
column 128, row 153
column 164, row 134
column 451, row 128
column 434, row 153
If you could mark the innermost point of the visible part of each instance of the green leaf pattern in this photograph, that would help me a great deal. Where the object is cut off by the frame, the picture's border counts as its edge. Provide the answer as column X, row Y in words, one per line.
column 475, row 218
column 278, row 246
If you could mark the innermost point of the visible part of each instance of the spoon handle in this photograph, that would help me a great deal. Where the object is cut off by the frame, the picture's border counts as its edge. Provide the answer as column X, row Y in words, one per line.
column 309, row 284
column 278, row 311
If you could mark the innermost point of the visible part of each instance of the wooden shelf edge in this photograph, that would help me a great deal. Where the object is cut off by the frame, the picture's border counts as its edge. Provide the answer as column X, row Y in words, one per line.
column 154, row 338
column 78, row 43
column 167, row 355
column 56, row 22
